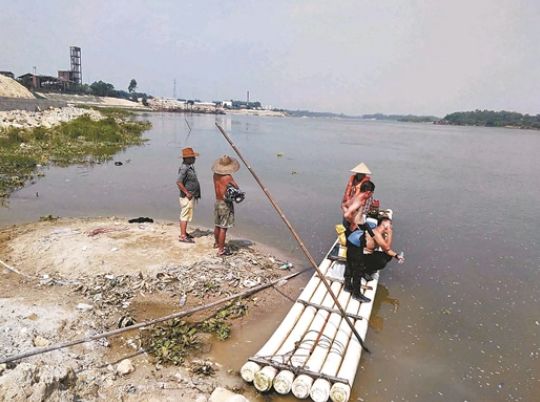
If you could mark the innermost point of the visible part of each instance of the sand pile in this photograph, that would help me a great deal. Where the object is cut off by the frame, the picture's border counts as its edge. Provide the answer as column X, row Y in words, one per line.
column 12, row 89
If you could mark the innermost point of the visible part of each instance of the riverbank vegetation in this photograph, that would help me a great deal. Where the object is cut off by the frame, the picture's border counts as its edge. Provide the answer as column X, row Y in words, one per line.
column 489, row 118
column 79, row 141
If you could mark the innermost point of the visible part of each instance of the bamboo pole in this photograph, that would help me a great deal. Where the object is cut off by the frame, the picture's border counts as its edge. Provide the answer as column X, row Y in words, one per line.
column 179, row 314
column 296, row 237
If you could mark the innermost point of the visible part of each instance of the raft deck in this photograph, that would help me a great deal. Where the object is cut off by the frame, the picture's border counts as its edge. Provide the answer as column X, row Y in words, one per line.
column 313, row 352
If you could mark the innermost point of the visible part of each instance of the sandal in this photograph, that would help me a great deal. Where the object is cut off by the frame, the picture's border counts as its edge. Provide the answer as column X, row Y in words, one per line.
column 189, row 236
column 185, row 240
column 226, row 252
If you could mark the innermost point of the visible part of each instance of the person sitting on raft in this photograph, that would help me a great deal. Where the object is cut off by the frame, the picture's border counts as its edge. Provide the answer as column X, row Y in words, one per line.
column 359, row 177
column 355, row 221
column 373, row 259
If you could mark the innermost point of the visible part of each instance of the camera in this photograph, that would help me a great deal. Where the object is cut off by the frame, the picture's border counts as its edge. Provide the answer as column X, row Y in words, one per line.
column 234, row 194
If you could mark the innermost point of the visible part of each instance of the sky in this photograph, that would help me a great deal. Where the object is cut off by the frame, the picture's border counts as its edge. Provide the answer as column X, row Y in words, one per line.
column 354, row 57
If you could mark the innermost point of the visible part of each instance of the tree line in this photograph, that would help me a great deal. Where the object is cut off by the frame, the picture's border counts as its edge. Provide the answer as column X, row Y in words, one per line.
column 101, row 88
column 490, row 118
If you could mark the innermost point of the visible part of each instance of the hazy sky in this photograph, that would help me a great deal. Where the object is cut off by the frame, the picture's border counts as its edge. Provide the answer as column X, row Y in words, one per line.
column 422, row 57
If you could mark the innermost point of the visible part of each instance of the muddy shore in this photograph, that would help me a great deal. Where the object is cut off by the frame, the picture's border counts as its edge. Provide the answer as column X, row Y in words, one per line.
column 80, row 277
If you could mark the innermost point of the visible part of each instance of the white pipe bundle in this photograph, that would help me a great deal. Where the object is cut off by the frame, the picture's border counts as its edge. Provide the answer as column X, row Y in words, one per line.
column 320, row 390
column 283, row 353
column 249, row 369
column 267, row 376
column 308, row 342
column 307, row 345
column 341, row 392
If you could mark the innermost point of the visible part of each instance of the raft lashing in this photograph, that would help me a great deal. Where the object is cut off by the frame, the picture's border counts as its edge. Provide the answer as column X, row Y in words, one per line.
column 314, row 353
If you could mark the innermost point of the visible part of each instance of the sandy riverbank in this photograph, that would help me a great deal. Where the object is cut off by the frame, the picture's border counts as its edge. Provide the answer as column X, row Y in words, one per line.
column 86, row 276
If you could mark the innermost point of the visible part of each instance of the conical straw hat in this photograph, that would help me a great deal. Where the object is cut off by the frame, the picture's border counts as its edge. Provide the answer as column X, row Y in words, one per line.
column 225, row 165
column 361, row 168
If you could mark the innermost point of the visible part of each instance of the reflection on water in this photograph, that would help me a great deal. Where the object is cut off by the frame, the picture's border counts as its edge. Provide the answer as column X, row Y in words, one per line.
column 376, row 321
column 466, row 203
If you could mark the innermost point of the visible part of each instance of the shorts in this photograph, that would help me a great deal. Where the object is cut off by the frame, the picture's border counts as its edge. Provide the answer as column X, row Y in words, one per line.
column 223, row 214
column 186, row 209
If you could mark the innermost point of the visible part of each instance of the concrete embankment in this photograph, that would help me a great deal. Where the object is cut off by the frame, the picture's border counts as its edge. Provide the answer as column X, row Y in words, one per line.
column 31, row 105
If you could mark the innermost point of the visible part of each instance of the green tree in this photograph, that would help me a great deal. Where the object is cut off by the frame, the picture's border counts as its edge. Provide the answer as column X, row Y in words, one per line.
column 101, row 88
column 132, row 85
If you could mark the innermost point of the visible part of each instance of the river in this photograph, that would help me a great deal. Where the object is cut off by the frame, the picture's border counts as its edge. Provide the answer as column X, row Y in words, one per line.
column 459, row 321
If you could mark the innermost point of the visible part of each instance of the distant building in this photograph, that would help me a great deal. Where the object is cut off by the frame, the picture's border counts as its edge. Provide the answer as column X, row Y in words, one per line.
column 42, row 82
column 7, row 74
column 66, row 75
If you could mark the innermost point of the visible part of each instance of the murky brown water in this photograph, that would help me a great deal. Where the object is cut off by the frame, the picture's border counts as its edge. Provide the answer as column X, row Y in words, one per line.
column 467, row 202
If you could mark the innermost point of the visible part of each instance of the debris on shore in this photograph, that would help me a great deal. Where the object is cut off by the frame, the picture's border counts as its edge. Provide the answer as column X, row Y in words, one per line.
column 75, row 286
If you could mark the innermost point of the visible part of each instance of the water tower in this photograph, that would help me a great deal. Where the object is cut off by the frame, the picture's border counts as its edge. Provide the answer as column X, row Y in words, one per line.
column 76, row 70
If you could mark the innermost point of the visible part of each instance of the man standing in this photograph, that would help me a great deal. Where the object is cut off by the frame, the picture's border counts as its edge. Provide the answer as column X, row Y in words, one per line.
column 223, row 208
column 355, row 217
column 190, row 192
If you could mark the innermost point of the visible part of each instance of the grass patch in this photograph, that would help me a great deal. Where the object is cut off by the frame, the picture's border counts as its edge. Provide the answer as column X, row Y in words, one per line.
column 79, row 141
column 171, row 343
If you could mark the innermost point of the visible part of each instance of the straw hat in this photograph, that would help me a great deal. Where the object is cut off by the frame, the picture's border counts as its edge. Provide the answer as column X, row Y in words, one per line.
column 225, row 165
column 189, row 153
column 361, row 168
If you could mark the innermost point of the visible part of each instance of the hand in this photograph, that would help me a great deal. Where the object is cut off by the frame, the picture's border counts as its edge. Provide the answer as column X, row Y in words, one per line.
column 189, row 196
column 400, row 259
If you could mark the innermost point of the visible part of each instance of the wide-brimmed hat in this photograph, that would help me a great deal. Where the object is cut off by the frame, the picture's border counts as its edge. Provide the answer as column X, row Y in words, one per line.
column 361, row 168
column 189, row 153
column 225, row 165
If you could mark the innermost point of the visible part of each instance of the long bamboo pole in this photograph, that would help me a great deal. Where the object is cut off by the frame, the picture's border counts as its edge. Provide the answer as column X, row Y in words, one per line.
column 179, row 314
column 296, row 237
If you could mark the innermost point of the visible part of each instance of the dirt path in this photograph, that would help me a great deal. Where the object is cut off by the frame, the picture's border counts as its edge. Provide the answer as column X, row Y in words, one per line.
column 88, row 276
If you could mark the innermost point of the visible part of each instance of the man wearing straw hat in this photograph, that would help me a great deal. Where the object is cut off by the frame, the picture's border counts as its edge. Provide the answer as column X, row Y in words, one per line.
column 223, row 209
column 190, row 192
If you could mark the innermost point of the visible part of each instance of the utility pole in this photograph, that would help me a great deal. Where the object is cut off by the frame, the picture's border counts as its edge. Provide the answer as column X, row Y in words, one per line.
column 174, row 89
column 248, row 98
column 35, row 69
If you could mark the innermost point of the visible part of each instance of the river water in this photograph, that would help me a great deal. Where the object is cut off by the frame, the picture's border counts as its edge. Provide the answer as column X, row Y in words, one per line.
column 459, row 321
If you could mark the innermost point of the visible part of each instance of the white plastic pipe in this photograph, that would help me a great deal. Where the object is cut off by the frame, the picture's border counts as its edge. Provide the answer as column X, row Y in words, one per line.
column 320, row 390
column 249, row 369
column 283, row 353
column 264, row 378
column 283, row 382
column 341, row 392
column 286, row 326
column 301, row 386
column 315, row 330
column 341, row 341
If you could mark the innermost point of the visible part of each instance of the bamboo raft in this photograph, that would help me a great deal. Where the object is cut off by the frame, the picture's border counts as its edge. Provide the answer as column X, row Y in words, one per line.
column 314, row 353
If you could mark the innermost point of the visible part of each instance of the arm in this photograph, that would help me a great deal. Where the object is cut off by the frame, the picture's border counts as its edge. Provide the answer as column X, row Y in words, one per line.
column 350, row 211
column 347, row 191
column 386, row 244
column 233, row 183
